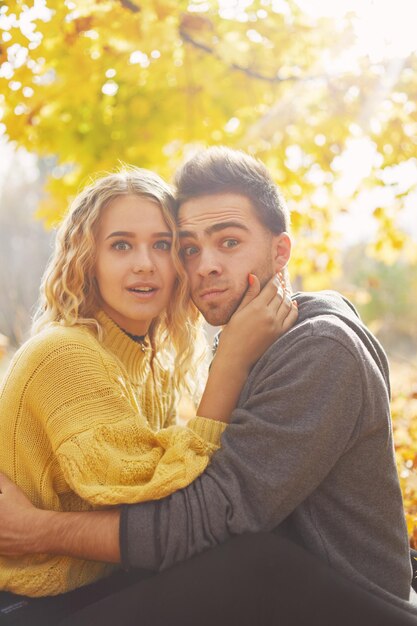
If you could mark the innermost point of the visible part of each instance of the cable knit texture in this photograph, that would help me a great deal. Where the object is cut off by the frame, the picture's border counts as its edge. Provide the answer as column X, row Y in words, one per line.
column 84, row 425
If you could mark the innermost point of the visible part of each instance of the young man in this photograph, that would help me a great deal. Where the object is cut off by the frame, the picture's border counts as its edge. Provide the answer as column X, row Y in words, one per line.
column 308, row 455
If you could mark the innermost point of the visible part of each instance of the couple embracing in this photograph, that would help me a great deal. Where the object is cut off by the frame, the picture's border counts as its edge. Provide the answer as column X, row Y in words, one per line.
column 279, row 503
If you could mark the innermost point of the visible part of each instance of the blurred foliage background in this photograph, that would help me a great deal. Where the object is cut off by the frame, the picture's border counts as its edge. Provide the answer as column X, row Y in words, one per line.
column 324, row 97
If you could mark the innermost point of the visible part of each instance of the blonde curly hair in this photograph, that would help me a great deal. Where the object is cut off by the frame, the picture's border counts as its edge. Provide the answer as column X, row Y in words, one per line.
column 69, row 294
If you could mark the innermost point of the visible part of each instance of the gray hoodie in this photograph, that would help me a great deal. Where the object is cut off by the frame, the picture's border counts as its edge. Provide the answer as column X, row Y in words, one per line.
column 308, row 452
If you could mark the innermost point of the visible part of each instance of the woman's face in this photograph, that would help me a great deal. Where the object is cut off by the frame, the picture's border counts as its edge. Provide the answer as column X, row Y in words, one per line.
column 134, row 271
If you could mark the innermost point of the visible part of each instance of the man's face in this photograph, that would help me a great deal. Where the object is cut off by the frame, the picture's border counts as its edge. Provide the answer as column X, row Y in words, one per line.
column 222, row 241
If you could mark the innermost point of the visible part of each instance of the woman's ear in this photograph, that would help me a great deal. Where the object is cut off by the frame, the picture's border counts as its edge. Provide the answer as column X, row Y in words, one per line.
column 281, row 250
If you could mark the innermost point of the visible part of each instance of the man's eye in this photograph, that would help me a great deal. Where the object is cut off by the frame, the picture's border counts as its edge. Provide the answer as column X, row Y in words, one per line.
column 230, row 243
column 189, row 250
column 162, row 245
column 121, row 245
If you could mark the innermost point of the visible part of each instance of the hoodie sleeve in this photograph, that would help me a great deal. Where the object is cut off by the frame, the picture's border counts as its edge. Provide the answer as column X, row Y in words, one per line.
column 300, row 412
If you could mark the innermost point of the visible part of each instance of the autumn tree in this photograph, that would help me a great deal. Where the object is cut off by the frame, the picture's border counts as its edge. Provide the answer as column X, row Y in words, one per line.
column 96, row 83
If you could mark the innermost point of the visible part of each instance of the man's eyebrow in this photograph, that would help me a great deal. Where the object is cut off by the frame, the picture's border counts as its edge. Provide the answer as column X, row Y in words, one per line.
column 126, row 233
column 215, row 228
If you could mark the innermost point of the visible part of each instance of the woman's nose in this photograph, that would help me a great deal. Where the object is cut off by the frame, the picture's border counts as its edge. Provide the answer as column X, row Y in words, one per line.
column 143, row 262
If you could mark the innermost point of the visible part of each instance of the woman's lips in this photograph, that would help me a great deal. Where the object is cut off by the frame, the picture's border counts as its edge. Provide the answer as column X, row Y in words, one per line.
column 145, row 293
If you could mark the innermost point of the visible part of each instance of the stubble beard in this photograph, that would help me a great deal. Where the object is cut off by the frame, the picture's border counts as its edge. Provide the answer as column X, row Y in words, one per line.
column 220, row 314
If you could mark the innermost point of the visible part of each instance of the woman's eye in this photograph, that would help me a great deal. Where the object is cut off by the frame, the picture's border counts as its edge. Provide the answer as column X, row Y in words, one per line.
column 162, row 245
column 230, row 243
column 121, row 245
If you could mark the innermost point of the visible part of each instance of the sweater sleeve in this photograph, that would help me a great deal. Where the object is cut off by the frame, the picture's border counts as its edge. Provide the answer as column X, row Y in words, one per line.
column 106, row 451
column 296, row 422
column 210, row 430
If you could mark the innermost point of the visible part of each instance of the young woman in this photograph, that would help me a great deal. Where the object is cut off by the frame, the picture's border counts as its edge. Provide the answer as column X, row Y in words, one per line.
column 88, row 407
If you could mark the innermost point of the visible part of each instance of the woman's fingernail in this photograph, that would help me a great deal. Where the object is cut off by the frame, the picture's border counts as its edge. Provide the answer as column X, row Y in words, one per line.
column 251, row 279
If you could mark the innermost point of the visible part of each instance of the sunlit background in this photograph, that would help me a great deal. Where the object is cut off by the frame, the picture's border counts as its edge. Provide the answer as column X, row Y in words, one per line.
column 338, row 75
column 323, row 91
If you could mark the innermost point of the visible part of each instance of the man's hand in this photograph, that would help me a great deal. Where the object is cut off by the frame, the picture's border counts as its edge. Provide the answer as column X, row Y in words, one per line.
column 24, row 529
column 19, row 520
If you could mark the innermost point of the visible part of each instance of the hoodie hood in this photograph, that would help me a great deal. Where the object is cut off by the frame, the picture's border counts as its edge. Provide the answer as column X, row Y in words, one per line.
column 315, row 304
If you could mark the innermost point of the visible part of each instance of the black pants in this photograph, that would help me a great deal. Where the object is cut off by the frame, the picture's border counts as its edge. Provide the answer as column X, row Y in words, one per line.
column 18, row 610
column 253, row 580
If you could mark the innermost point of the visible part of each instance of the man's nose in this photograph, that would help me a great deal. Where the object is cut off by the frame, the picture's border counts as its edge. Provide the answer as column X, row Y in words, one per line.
column 209, row 263
column 142, row 261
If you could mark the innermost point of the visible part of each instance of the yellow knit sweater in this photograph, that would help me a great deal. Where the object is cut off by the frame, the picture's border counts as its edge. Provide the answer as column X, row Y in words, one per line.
column 84, row 425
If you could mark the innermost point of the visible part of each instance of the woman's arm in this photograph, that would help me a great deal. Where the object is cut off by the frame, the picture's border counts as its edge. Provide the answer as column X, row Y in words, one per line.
column 105, row 449
column 261, row 318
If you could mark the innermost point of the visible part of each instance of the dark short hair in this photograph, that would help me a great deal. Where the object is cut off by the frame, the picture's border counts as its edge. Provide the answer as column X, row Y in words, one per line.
column 223, row 170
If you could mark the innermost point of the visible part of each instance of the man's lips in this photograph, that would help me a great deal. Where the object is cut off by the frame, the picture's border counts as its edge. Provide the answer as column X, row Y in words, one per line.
column 211, row 293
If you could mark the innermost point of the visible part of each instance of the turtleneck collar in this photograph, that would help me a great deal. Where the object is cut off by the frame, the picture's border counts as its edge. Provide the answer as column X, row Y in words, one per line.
column 130, row 352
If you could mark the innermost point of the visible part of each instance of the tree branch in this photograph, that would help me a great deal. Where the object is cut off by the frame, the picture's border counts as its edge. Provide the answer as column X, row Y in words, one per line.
column 131, row 6
column 240, row 68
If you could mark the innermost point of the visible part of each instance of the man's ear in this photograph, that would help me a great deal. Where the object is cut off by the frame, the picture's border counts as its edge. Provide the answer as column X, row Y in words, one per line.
column 281, row 251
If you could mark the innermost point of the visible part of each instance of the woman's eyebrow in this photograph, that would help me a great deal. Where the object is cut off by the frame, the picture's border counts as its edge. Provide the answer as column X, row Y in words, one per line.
column 121, row 233
column 126, row 233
